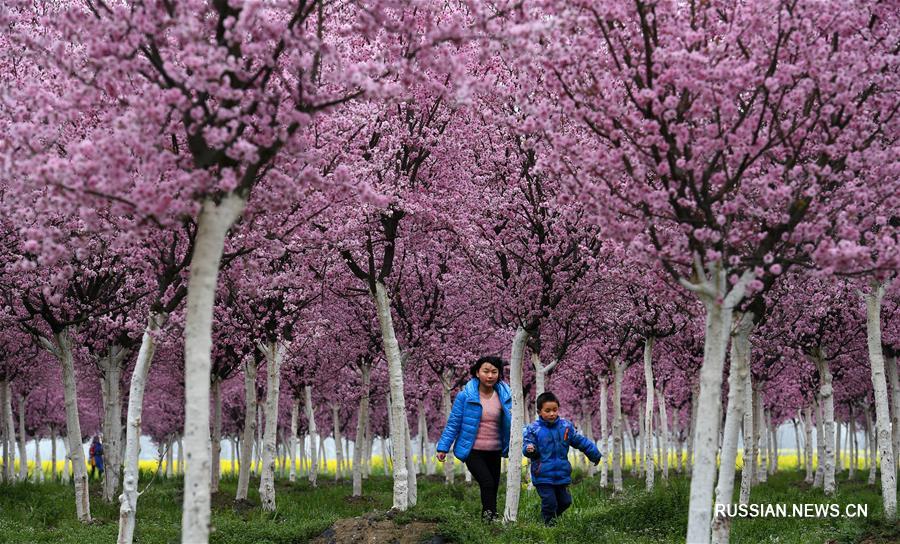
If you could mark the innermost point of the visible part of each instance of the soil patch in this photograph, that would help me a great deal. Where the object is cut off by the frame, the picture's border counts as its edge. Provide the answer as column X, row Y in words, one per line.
column 376, row 528
column 360, row 500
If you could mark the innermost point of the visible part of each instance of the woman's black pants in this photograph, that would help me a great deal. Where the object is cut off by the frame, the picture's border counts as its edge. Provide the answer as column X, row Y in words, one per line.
column 485, row 468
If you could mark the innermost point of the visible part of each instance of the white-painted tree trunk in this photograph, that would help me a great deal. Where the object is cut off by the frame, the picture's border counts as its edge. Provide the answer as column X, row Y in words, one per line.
column 848, row 446
column 446, row 405
column 839, row 461
column 807, row 429
column 820, row 444
column 692, row 428
column 647, row 444
column 854, row 447
column 719, row 308
column 216, row 439
column 161, row 457
column 427, row 457
column 748, row 471
column 540, row 373
column 347, row 456
column 632, row 442
column 385, row 457
column 38, row 475
column 234, row 455
column 412, row 497
column 679, row 444
column 54, row 470
column 67, row 463
column 61, row 347
column 504, row 463
column 734, row 417
column 170, row 457
column 285, row 443
column 339, row 453
column 776, row 447
column 257, row 444
column 640, row 440
column 617, row 431
column 421, row 439
column 369, row 450
column 4, row 430
column 427, row 447
column 23, row 439
column 663, row 434
column 212, row 226
column 274, row 352
column 797, row 443
column 302, row 469
column 773, row 444
column 657, row 436
column 755, row 438
column 398, row 406
column 292, row 447
column 313, row 436
column 249, row 433
column 588, row 433
column 179, row 465
column 111, row 367
column 280, row 456
column 871, row 448
column 826, row 394
column 514, row 472
column 762, row 433
column 362, row 420
column 867, row 447
column 302, row 465
column 894, row 382
column 604, row 470
column 10, row 432
column 885, row 439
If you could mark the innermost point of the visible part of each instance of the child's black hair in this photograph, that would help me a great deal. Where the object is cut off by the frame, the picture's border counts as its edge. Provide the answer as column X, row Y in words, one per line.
column 545, row 397
column 496, row 362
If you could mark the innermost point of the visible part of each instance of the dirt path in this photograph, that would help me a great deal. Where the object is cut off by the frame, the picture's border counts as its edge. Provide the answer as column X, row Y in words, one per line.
column 376, row 528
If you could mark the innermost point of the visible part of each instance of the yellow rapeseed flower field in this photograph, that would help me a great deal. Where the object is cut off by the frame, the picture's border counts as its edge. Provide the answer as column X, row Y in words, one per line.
column 786, row 460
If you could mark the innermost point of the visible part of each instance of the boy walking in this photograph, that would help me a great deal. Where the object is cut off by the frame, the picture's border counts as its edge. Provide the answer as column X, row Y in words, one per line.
column 547, row 442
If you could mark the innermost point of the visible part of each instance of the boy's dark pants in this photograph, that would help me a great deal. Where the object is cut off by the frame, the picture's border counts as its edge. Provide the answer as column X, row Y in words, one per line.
column 485, row 468
column 554, row 500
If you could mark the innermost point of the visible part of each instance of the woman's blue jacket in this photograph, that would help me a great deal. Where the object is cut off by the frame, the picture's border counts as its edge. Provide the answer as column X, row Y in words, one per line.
column 465, row 417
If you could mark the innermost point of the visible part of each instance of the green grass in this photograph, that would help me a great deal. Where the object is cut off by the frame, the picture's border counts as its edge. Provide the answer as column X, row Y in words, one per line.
column 46, row 513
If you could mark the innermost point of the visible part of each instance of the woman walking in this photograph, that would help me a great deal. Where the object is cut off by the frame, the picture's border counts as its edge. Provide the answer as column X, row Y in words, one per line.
column 478, row 429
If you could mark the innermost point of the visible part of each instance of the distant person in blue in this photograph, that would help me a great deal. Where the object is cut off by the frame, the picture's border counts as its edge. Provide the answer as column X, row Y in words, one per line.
column 96, row 456
column 478, row 429
column 547, row 442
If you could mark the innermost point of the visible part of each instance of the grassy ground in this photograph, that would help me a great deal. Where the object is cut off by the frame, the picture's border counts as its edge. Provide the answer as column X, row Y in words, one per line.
column 46, row 513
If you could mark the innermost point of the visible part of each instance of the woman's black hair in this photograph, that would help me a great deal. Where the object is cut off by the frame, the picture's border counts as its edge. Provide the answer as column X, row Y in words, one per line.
column 488, row 359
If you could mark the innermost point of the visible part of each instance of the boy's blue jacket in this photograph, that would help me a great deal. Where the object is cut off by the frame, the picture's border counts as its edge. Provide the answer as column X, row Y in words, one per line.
column 465, row 417
column 550, row 459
